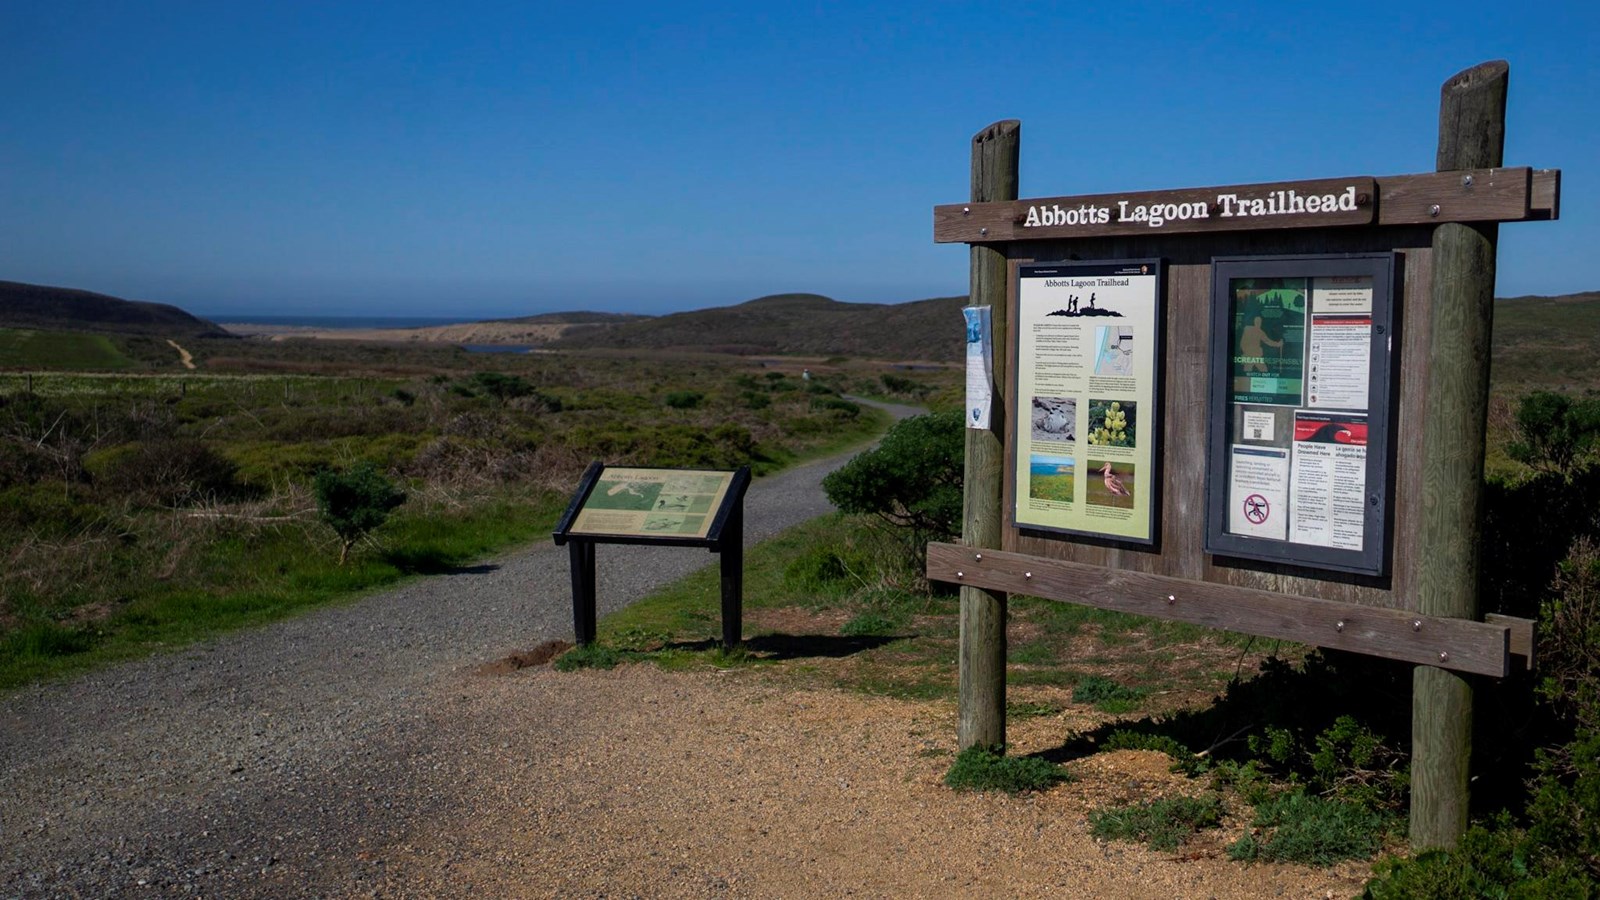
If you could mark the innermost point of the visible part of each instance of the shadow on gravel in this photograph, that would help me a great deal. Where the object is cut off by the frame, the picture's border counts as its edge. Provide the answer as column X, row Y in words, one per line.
column 797, row 646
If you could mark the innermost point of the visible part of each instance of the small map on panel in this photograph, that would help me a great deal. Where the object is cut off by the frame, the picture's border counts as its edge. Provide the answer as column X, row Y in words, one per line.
column 1114, row 355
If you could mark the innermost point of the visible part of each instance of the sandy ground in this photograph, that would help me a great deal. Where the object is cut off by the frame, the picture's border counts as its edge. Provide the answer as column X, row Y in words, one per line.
column 723, row 785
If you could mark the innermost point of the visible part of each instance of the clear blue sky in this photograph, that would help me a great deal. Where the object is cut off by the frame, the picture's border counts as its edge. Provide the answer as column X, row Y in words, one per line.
column 483, row 159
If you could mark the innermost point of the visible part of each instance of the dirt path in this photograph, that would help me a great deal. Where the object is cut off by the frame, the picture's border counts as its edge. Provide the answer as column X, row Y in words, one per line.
column 184, row 356
column 357, row 751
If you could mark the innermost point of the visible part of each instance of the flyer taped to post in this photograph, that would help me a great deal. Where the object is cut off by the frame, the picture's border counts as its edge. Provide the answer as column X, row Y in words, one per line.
column 980, row 367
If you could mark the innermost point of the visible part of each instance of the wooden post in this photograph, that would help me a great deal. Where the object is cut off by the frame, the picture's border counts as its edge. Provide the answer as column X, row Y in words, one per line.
column 1472, row 113
column 983, row 612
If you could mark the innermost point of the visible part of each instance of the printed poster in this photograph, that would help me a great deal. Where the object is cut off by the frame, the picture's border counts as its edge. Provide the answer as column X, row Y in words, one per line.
column 1340, row 343
column 1268, row 340
column 1086, row 397
column 1327, row 501
column 1258, row 491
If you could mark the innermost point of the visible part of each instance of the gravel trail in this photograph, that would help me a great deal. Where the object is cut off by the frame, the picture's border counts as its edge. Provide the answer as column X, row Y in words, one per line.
column 200, row 772
column 360, row 751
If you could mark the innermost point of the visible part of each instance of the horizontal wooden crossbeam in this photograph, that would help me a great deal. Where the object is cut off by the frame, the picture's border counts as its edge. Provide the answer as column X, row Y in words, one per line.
column 1469, row 195
column 1482, row 648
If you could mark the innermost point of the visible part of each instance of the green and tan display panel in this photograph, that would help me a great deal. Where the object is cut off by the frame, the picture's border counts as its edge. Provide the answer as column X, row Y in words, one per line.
column 652, row 503
column 1087, row 426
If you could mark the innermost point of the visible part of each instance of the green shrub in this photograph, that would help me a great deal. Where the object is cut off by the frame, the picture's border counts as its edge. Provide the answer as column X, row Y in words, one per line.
column 909, row 387
column 1163, row 824
column 1298, row 827
column 1555, row 432
column 985, row 769
column 912, row 479
column 725, row 446
column 822, row 570
column 1493, row 860
column 684, row 399
column 355, row 502
column 845, row 409
column 500, row 386
column 47, row 510
column 169, row 472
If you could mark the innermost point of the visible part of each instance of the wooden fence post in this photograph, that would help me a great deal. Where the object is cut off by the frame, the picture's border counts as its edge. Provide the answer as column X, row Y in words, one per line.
column 1472, row 111
column 983, row 612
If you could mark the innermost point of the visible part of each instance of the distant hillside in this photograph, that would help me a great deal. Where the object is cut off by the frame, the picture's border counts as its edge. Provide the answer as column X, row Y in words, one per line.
column 795, row 325
column 1547, row 342
column 40, row 307
column 574, row 317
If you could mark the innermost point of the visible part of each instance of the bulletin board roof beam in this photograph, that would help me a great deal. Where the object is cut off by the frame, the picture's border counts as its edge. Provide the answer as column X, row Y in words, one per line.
column 1515, row 194
column 1461, row 645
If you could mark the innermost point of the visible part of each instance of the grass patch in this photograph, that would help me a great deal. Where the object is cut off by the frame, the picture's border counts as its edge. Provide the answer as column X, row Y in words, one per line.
column 590, row 656
column 1162, row 824
column 1106, row 695
column 60, row 350
column 983, row 769
column 1300, row 828
column 1051, row 487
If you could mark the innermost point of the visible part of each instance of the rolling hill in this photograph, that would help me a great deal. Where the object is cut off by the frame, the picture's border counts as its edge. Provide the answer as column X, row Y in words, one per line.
column 794, row 324
column 35, row 306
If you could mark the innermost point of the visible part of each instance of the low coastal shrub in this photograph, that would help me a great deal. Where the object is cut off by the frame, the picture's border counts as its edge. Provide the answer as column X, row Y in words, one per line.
column 986, row 769
column 1163, row 824
column 1303, row 828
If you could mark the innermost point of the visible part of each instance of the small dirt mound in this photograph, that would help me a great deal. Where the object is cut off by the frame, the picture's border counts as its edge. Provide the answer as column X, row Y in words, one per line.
column 538, row 656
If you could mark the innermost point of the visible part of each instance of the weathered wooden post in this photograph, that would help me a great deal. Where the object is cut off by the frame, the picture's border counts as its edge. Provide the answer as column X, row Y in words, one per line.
column 995, row 152
column 1472, row 115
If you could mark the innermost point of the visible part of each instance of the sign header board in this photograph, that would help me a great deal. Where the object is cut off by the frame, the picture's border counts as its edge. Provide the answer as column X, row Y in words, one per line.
column 1467, row 195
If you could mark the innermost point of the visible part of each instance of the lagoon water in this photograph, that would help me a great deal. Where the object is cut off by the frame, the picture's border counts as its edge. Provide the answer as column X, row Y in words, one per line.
column 1042, row 469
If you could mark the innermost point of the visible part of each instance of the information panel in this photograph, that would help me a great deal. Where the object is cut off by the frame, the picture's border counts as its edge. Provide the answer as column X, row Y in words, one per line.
column 1299, row 434
column 1087, row 426
column 645, row 503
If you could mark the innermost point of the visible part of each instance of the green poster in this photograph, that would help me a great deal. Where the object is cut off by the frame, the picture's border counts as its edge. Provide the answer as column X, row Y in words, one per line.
column 1268, row 341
